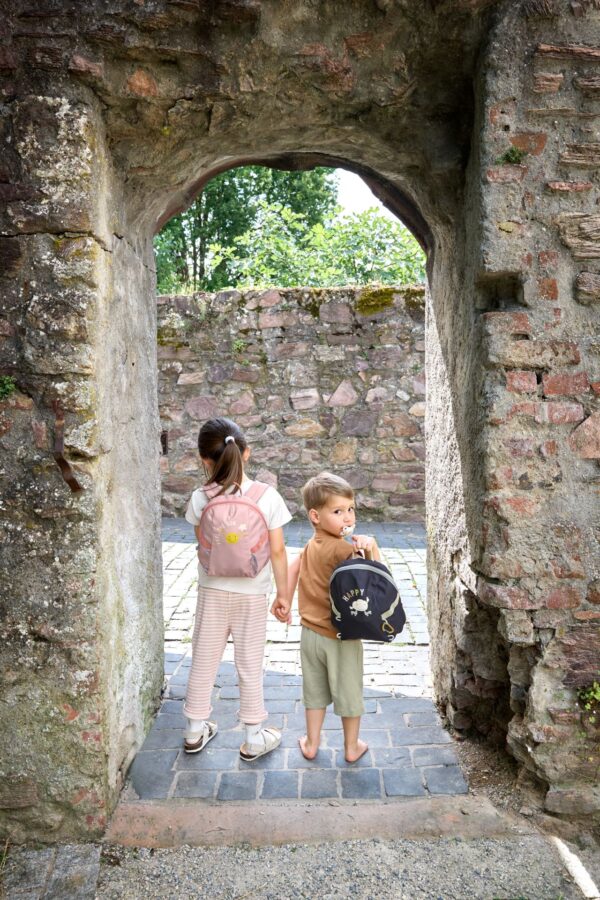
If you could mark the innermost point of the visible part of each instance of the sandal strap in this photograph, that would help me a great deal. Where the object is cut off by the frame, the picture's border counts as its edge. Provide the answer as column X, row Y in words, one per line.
column 208, row 731
column 265, row 734
column 271, row 739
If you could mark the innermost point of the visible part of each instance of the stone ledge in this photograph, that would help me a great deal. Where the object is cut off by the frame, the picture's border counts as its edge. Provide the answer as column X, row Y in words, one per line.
column 194, row 823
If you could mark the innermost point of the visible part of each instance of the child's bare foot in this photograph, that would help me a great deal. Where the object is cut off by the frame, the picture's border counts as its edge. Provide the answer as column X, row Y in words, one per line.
column 307, row 750
column 355, row 754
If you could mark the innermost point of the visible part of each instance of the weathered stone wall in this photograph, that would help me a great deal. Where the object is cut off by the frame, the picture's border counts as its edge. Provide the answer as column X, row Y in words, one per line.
column 316, row 378
column 530, row 592
column 80, row 592
column 113, row 116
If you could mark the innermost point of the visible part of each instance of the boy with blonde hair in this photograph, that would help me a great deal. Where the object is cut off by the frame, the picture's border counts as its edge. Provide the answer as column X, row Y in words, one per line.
column 332, row 670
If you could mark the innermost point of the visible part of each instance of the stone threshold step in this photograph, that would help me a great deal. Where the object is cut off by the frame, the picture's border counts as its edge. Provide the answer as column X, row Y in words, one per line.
column 198, row 823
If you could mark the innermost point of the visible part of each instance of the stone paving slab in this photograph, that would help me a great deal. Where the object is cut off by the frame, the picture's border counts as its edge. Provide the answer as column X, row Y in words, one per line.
column 410, row 753
column 401, row 667
column 404, row 733
column 65, row 872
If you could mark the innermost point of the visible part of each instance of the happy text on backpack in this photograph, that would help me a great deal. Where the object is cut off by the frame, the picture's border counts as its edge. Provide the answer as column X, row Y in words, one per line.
column 365, row 602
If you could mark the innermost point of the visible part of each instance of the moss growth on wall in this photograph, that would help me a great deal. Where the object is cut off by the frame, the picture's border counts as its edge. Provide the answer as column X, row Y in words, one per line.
column 312, row 302
column 375, row 300
column 414, row 299
column 173, row 331
column 7, row 386
column 164, row 340
column 511, row 157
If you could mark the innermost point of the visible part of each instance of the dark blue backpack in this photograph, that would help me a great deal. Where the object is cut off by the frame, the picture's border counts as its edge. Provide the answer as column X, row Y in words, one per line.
column 365, row 602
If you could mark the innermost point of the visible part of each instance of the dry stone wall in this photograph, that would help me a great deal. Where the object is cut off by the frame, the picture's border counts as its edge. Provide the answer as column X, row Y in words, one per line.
column 316, row 378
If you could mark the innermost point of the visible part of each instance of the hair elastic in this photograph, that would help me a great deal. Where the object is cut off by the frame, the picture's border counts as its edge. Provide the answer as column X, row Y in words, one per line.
column 229, row 438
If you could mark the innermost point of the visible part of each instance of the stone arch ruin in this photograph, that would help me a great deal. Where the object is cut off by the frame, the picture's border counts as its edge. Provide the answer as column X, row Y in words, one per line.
column 477, row 122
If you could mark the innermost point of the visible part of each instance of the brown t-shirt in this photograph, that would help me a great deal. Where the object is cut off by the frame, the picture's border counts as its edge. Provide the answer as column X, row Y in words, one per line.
column 318, row 560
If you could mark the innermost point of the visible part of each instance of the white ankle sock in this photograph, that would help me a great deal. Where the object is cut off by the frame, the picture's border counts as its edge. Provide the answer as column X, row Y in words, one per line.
column 253, row 734
column 194, row 727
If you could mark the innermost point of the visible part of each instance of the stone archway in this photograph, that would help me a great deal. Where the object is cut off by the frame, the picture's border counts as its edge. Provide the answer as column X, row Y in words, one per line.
column 112, row 119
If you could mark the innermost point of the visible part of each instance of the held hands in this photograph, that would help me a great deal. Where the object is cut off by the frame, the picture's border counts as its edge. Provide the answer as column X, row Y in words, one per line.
column 281, row 609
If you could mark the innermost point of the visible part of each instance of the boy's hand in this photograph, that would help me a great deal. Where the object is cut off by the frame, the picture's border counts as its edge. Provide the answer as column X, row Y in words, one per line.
column 281, row 608
column 363, row 542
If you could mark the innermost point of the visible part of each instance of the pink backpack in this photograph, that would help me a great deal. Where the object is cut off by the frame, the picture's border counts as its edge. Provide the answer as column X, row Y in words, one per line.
column 234, row 537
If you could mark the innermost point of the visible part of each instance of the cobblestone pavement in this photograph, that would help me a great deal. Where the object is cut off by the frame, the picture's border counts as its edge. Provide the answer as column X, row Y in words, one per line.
column 410, row 753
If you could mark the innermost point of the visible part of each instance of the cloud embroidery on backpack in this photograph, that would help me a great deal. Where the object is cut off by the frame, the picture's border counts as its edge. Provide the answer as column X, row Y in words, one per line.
column 233, row 534
column 360, row 605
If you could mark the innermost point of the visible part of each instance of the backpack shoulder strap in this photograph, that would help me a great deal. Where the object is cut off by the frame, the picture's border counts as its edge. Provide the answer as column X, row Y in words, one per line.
column 256, row 490
column 361, row 554
column 211, row 493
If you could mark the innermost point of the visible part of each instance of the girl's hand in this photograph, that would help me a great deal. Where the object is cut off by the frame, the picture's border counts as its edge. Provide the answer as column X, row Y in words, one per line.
column 281, row 608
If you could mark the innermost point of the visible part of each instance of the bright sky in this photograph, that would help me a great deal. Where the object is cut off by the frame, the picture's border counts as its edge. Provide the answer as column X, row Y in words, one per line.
column 355, row 196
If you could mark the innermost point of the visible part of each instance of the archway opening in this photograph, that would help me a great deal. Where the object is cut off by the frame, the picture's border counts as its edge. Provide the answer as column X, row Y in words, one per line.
column 216, row 352
column 332, row 356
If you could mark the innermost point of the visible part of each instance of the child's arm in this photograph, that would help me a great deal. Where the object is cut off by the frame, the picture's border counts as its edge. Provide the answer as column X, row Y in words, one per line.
column 368, row 544
column 280, row 610
column 293, row 573
column 281, row 605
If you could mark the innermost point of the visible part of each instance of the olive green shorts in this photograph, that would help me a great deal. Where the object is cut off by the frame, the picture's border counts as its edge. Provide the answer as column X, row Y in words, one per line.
column 332, row 670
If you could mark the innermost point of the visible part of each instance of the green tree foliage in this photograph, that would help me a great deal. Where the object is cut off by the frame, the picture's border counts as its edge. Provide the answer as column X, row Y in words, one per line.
column 256, row 227
column 360, row 248
column 365, row 247
column 229, row 207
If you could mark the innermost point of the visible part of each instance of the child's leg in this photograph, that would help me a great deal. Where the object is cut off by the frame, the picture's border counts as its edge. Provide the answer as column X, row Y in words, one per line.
column 211, row 630
column 309, row 744
column 249, row 628
column 346, row 681
column 316, row 695
column 354, row 748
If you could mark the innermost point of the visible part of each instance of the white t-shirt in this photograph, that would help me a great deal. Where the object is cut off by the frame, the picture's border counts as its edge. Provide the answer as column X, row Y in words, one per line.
column 273, row 507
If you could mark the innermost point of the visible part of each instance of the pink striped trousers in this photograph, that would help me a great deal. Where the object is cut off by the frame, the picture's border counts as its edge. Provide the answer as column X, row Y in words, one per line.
column 218, row 615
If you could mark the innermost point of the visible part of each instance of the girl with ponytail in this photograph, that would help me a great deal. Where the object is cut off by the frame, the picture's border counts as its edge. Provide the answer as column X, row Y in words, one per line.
column 229, row 509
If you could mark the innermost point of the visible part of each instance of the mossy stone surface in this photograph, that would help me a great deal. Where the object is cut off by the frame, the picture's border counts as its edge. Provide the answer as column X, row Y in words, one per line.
column 375, row 300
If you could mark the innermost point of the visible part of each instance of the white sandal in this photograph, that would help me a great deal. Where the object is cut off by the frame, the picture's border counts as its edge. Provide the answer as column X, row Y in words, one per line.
column 271, row 740
column 192, row 745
